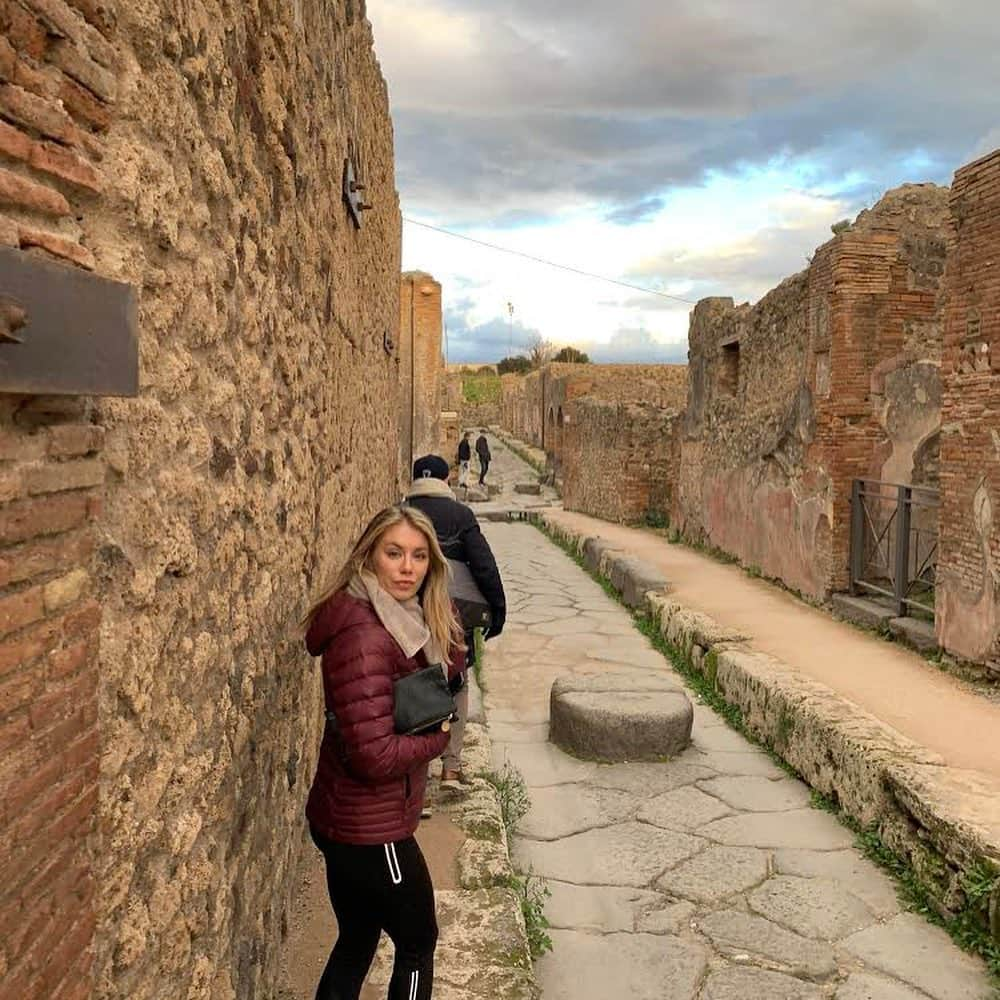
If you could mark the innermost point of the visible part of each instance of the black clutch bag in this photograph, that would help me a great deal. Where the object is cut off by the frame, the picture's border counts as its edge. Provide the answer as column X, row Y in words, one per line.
column 421, row 700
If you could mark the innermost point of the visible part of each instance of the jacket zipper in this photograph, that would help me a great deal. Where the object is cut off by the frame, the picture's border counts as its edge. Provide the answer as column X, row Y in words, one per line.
column 406, row 787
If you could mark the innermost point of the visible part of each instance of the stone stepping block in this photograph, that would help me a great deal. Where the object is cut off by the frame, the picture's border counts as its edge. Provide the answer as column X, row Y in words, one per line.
column 619, row 718
column 532, row 489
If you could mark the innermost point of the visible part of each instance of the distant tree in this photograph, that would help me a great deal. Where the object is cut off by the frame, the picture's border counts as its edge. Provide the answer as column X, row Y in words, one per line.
column 540, row 351
column 517, row 365
column 572, row 355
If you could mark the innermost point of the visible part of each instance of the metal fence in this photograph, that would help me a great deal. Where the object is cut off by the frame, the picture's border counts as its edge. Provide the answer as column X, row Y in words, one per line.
column 894, row 543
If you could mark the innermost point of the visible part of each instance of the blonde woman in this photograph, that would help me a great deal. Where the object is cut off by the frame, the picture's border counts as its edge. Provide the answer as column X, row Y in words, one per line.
column 386, row 615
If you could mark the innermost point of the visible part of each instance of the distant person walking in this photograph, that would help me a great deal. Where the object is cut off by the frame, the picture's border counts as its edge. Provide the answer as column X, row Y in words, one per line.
column 460, row 538
column 483, row 451
column 464, row 459
column 386, row 615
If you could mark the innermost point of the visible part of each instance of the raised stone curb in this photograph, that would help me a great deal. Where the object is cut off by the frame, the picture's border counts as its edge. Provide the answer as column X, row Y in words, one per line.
column 619, row 719
column 944, row 821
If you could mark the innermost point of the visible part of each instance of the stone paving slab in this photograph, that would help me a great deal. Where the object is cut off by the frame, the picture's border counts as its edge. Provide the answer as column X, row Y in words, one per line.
column 865, row 986
column 850, row 870
column 637, row 966
column 750, row 794
column 685, row 809
column 717, row 873
column 735, row 983
column 627, row 854
column 814, row 907
column 914, row 951
column 795, row 828
column 741, row 935
column 596, row 908
column 559, row 811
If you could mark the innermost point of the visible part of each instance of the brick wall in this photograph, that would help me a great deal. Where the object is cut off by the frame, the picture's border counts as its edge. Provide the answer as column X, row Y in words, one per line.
column 968, row 593
column 421, row 364
column 194, row 151
column 620, row 460
column 51, row 474
column 832, row 375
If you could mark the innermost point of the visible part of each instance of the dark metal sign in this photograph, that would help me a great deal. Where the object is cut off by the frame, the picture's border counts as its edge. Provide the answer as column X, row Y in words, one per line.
column 65, row 331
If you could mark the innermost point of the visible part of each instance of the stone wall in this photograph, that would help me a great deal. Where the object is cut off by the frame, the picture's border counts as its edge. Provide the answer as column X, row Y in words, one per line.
column 620, row 460
column 968, row 592
column 421, row 366
column 833, row 375
column 531, row 404
column 196, row 152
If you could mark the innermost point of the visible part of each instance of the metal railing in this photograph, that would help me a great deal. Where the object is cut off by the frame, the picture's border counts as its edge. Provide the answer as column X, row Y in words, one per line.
column 894, row 543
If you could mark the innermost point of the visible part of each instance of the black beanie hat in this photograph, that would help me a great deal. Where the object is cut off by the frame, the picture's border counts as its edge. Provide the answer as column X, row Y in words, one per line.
column 430, row 467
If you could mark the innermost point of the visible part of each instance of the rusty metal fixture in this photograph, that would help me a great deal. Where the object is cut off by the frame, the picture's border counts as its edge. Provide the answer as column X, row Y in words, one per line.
column 352, row 188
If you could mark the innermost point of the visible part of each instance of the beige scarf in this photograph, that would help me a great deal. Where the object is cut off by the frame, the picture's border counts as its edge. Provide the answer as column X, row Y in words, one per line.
column 403, row 620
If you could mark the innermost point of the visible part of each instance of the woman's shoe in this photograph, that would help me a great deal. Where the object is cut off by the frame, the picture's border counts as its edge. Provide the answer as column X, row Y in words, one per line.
column 451, row 780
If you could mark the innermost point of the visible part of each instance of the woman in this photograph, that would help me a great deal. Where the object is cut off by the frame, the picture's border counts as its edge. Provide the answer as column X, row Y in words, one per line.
column 386, row 615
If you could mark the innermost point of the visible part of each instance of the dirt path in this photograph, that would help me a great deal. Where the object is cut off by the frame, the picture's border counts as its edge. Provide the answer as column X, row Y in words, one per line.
column 892, row 683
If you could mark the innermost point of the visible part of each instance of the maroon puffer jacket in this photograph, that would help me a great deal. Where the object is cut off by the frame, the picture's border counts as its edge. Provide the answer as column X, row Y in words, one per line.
column 370, row 783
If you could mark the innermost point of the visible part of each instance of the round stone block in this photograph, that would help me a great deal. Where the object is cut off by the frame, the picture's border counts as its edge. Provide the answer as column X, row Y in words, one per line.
column 619, row 717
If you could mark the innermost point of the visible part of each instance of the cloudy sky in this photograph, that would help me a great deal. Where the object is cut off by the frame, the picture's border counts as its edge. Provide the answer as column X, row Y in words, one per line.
column 690, row 147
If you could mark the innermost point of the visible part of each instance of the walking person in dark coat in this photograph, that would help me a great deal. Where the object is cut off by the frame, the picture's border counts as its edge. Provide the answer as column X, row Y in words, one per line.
column 460, row 538
column 386, row 615
column 483, row 451
column 464, row 459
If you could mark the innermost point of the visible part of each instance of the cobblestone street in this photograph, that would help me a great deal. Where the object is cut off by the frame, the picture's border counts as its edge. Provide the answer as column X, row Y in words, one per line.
column 709, row 876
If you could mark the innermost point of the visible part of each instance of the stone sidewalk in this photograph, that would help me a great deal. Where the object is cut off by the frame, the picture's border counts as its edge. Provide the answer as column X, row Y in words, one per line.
column 708, row 876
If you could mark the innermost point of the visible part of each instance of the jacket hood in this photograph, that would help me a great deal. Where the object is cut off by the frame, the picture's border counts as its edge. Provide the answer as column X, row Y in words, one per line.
column 341, row 612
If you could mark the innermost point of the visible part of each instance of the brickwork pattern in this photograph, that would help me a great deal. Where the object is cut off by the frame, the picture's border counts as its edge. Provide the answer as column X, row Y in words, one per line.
column 195, row 151
column 833, row 375
column 968, row 593
column 421, row 365
column 51, row 474
column 620, row 460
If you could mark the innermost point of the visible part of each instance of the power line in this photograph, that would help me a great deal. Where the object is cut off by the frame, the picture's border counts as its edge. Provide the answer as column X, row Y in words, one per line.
column 548, row 263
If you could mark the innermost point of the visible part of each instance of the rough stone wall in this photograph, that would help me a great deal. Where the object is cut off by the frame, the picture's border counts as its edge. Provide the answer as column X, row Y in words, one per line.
column 531, row 404
column 195, row 151
column 831, row 376
column 421, row 365
column 620, row 460
column 968, row 592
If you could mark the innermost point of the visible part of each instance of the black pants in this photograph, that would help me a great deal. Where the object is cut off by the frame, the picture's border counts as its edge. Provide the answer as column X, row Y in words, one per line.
column 385, row 887
column 484, row 465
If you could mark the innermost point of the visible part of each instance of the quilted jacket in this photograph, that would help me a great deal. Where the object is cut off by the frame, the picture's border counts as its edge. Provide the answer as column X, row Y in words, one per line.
column 370, row 783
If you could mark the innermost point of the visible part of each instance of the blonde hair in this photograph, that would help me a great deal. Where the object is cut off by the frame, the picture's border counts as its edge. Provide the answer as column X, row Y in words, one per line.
column 434, row 599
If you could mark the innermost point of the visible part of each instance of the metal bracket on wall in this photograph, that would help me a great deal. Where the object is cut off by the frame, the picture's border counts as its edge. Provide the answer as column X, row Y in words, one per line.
column 65, row 331
column 352, row 191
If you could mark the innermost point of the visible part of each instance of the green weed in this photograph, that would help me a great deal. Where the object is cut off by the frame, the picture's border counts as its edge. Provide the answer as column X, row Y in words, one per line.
column 512, row 793
column 532, row 892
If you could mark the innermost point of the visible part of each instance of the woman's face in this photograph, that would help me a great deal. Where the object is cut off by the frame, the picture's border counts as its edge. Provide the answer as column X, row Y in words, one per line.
column 401, row 559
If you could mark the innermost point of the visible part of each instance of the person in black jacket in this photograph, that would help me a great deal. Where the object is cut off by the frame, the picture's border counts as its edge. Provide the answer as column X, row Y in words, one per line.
column 483, row 451
column 464, row 459
column 458, row 533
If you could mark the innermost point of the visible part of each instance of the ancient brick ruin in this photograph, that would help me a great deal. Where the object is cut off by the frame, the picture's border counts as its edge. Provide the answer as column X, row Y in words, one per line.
column 832, row 376
column 420, row 366
column 158, row 716
column 968, row 593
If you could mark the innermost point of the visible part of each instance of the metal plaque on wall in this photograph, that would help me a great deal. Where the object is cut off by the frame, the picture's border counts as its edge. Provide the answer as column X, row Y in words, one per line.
column 65, row 331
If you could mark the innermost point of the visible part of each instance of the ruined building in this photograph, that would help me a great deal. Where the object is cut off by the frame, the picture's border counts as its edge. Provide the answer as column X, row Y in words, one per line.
column 607, row 431
column 968, row 590
column 832, row 376
column 212, row 420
